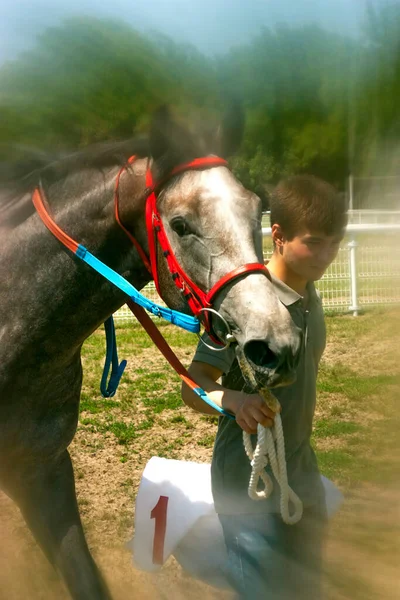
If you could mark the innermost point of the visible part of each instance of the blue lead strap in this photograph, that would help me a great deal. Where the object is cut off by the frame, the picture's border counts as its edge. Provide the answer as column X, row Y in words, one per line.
column 187, row 322
column 108, row 389
column 203, row 395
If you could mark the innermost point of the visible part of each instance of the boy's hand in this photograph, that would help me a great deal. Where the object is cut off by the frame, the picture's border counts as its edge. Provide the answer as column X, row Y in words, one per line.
column 251, row 409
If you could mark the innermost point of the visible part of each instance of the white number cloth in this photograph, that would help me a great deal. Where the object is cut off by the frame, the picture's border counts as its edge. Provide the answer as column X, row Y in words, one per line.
column 175, row 514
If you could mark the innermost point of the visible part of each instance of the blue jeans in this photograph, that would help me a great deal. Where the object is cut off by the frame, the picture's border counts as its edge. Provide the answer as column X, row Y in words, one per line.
column 271, row 560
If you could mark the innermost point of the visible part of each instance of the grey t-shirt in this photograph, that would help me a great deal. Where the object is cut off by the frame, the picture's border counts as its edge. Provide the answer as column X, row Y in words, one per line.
column 231, row 468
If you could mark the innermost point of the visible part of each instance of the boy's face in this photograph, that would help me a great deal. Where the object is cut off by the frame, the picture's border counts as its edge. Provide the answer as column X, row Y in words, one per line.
column 310, row 253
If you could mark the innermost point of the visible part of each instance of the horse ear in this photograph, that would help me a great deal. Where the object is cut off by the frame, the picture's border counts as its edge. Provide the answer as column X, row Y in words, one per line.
column 160, row 132
column 170, row 142
column 231, row 129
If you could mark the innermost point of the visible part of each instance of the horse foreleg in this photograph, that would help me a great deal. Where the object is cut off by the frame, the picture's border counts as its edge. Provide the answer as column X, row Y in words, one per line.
column 47, row 499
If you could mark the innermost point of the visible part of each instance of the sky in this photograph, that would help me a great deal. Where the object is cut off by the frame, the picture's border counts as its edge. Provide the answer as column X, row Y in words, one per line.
column 213, row 26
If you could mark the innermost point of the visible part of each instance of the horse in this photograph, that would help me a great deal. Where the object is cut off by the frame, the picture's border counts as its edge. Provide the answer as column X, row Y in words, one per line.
column 51, row 302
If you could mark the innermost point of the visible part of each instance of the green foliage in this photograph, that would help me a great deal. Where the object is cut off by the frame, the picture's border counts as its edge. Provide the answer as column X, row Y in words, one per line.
column 315, row 101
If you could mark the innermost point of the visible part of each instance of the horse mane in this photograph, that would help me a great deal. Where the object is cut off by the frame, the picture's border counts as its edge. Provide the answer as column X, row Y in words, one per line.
column 169, row 143
column 21, row 176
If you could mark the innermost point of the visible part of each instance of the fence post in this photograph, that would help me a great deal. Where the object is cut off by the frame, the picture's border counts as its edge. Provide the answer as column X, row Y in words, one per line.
column 352, row 245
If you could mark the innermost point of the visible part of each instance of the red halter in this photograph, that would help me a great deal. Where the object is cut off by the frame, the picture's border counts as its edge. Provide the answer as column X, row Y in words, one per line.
column 196, row 298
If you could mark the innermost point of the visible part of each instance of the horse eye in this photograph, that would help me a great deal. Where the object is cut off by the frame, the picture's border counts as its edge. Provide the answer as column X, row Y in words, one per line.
column 180, row 226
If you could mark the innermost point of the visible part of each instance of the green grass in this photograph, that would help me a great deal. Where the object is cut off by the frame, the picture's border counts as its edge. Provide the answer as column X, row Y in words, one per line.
column 362, row 392
column 335, row 464
column 96, row 405
column 333, row 428
column 358, row 427
column 207, row 441
column 340, row 379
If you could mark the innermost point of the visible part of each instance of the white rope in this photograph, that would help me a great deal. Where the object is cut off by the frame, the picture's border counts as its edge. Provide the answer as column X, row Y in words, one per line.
column 270, row 450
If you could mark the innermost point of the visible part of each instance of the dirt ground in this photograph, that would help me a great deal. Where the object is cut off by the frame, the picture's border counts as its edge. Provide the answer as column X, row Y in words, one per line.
column 362, row 558
column 26, row 575
column 106, row 489
column 363, row 548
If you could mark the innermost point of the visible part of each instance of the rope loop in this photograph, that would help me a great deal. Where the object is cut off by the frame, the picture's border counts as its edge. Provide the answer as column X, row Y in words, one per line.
column 271, row 451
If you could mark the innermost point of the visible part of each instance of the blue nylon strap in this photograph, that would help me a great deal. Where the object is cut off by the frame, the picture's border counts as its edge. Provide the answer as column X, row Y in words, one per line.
column 108, row 389
column 203, row 395
column 181, row 320
column 187, row 322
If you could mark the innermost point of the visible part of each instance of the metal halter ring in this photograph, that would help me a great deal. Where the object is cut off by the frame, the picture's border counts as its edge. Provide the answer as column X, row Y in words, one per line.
column 229, row 338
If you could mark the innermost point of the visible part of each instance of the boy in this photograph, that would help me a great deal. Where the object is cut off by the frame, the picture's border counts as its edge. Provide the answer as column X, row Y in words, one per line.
column 268, row 559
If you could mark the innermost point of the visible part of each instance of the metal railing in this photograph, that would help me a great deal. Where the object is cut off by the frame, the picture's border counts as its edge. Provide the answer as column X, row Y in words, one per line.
column 366, row 271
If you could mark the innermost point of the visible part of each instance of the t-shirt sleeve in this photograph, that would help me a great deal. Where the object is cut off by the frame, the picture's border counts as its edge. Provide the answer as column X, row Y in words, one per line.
column 220, row 359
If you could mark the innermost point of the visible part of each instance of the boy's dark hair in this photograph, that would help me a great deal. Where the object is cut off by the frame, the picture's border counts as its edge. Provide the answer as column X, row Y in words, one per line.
column 307, row 202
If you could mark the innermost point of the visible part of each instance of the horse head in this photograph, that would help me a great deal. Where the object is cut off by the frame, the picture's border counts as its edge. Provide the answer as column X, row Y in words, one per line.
column 213, row 227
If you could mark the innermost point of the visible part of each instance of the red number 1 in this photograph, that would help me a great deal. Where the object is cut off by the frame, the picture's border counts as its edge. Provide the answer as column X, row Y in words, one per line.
column 159, row 513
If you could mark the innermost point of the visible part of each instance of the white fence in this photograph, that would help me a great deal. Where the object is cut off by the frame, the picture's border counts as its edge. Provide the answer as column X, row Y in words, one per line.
column 373, row 216
column 360, row 217
column 366, row 271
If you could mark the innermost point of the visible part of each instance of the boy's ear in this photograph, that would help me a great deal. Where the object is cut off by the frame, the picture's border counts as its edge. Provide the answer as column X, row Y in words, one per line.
column 277, row 235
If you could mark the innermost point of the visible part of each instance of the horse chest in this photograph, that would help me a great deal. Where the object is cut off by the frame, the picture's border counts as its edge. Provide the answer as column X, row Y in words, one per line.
column 39, row 411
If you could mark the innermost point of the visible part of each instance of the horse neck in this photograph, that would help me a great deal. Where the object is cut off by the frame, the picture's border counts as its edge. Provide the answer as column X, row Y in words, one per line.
column 65, row 299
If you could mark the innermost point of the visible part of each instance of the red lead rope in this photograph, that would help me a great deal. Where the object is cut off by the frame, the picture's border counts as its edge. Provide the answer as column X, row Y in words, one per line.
column 167, row 352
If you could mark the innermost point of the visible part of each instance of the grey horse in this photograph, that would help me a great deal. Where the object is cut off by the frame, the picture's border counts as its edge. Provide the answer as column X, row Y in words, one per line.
column 50, row 302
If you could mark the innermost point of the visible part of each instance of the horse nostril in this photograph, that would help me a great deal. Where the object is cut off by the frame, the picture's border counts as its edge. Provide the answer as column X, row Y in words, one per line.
column 259, row 353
